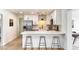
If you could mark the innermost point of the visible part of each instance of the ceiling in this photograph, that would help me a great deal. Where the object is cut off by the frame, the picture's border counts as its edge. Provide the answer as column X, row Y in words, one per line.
column 31, row 11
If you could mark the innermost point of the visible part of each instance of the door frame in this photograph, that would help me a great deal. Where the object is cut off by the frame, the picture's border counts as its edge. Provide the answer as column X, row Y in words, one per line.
column 20, row 20
column 1, row 44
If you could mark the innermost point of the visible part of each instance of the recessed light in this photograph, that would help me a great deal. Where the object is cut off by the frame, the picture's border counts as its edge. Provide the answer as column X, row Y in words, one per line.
column 32, row 12
column 21, row 12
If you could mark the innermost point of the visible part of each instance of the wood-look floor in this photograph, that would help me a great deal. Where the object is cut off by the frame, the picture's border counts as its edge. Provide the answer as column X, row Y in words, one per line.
column 17, row 45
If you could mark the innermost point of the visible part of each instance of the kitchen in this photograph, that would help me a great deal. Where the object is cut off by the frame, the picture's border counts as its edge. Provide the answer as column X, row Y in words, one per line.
column 46, row 26
column 38, row 28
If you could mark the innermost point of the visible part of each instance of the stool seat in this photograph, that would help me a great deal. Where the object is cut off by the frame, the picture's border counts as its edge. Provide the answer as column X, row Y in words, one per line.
column 56, row 42
column 42, row 44
column 28, row 44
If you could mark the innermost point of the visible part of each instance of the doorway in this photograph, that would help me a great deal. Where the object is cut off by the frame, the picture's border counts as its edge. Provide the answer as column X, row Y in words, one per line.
column 75, row 29
column 20, row 25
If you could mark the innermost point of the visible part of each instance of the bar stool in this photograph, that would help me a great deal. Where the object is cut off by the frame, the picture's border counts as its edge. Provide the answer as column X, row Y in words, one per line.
column 28, row 44
column 42, row 38
column 56, row 42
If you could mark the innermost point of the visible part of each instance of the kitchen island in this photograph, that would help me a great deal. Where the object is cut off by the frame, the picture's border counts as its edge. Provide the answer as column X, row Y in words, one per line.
column 48, row 34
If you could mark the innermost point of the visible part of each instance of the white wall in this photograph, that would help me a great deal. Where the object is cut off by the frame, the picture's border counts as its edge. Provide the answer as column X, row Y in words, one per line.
column 69, row 30
column 20, row 25
column 9, row 33
column 66, row 25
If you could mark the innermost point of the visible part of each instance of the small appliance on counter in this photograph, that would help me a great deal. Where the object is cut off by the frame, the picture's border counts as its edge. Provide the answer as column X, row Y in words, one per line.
column 55, row 27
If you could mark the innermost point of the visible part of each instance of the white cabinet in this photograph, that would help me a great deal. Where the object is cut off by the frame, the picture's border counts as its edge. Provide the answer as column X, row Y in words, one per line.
column 32, row 17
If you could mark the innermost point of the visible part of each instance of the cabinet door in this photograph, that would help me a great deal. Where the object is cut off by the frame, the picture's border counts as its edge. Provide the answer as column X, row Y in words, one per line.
column 32, row 17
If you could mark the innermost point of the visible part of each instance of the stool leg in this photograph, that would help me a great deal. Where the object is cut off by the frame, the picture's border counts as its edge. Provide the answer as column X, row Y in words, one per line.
column 59, row 45
column 45, row 43
column 52, row 44
column 25, row 44
column 39, row 43
column 31, row 44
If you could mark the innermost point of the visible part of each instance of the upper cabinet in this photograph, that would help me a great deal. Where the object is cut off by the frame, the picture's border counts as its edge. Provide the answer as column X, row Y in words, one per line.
column 50, row 16
column 56, row 16
column 32, row 17
column 42, row 16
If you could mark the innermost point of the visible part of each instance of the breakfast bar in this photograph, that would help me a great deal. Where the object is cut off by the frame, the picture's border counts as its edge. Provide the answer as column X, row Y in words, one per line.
column 36, row 36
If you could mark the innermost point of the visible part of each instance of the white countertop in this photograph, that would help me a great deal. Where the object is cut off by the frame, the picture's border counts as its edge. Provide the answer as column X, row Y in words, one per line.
column 42, row 32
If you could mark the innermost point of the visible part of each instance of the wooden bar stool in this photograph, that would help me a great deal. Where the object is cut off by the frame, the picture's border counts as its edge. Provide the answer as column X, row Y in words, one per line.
column 56, row 42
column 42, row 44
column 28, row 42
